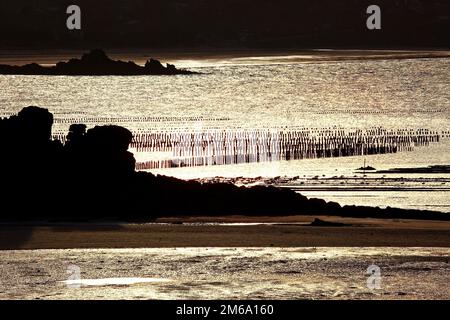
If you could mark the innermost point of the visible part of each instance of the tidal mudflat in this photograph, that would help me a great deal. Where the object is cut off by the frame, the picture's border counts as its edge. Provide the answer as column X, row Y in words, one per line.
column 226, row 273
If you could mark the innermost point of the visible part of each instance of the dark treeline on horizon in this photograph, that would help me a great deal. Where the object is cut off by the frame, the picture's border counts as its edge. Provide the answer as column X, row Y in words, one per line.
column 224, row 24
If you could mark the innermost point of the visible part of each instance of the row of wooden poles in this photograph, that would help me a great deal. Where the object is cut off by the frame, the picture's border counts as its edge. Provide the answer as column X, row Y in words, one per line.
column 69, row 118
column 219, row 147
column 365, row 111
column 132, row 119
column 185, row 143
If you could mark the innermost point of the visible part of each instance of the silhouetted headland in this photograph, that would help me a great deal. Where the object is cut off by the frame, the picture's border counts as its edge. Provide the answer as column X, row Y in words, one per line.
column 95, row 63
column 93, row 177
column 423, row 170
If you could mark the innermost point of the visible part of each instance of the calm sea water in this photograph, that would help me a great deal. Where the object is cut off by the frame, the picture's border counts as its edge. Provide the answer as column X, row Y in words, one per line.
column 413, row 93
column 266, row 93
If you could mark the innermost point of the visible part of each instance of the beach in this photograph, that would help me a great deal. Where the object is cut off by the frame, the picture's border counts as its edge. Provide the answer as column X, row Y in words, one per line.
column 232, row 231
column 230, row 257
column 226, row 273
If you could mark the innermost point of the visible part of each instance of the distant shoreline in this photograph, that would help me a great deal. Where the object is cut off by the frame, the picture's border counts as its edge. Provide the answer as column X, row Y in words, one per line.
column 18, row 56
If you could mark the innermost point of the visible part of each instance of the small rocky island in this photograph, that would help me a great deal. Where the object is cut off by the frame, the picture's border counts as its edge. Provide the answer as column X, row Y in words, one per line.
column 95, row 63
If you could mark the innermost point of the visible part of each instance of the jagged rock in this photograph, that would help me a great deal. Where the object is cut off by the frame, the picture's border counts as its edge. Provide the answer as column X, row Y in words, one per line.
column 109, row 138
column 35, row 124
column 76, row 135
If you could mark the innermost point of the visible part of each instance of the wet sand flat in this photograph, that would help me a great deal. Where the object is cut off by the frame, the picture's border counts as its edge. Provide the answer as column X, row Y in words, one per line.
column 225, row 273
column 234, row 231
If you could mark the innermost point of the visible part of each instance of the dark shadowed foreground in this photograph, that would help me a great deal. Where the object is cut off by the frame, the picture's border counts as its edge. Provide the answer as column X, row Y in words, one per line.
column 92, row 176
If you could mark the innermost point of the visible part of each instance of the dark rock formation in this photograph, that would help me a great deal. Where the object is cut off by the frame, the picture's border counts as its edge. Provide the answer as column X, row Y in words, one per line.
column 95, row 63
column 322, row 223
column 366, row 168
column 93, row 177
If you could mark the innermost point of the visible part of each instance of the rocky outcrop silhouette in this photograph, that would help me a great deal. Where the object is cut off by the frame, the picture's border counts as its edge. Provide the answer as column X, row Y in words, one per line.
column 322, row 223
column 95, row 63
column 92, row 176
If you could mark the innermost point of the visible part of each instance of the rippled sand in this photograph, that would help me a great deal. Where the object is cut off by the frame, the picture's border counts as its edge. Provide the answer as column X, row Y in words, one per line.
column 224, row 273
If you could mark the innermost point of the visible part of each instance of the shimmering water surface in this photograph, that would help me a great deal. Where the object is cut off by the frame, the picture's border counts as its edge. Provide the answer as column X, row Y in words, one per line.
column 390, row 93
column 268, row 93
column 225, row 273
